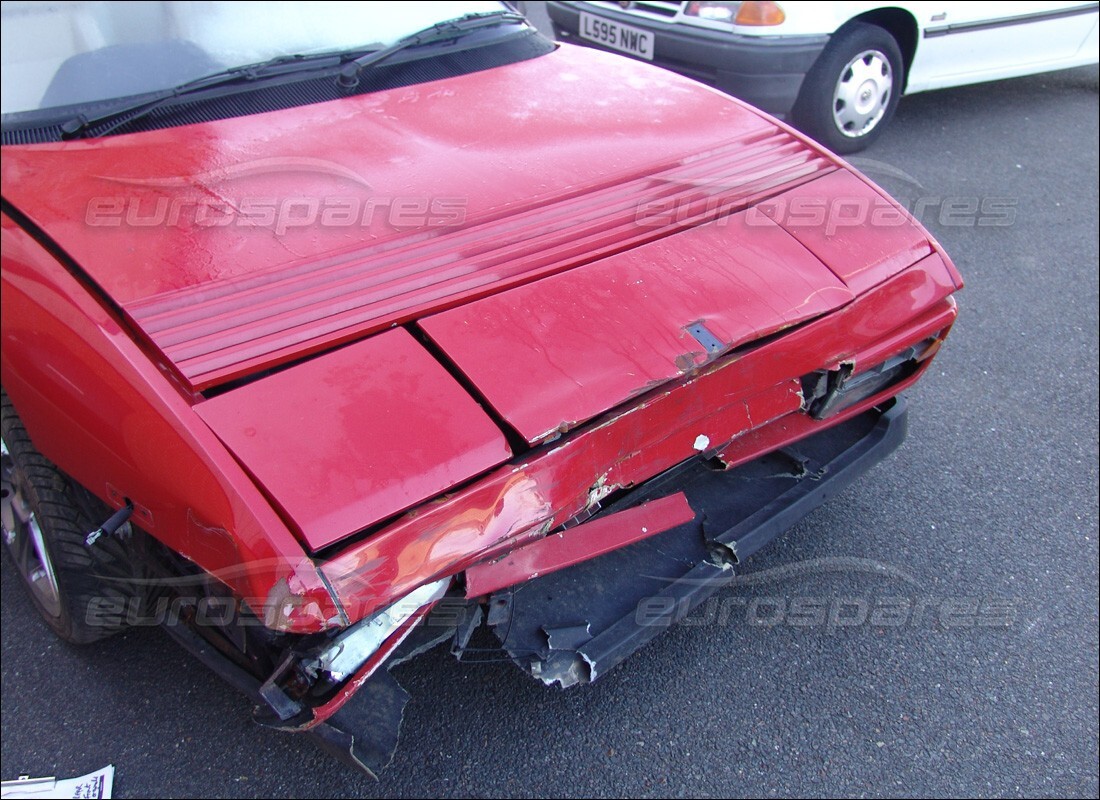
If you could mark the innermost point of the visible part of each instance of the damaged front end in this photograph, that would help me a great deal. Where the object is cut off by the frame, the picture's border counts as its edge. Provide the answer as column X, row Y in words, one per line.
column 568, row 607
column 576, row 554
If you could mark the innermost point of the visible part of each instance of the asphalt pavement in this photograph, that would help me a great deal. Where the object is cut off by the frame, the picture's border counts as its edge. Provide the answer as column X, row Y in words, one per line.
column 930, row 631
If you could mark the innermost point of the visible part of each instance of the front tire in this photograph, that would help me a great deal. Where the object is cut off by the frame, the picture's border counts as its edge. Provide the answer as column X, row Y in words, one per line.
column 852, row 90
column 46, row 518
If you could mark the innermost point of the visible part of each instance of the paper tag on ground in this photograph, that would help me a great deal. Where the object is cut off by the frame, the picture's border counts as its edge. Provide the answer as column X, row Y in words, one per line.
column 96, row 784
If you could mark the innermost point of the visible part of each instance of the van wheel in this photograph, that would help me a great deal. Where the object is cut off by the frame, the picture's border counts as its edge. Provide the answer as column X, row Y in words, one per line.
column 851, row 92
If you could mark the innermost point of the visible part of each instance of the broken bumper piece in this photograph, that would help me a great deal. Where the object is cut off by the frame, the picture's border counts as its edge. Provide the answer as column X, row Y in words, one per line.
column 575, row 624
column 342, row 693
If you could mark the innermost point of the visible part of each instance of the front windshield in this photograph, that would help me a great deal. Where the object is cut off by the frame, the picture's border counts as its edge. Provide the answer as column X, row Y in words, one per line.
column 66, row 53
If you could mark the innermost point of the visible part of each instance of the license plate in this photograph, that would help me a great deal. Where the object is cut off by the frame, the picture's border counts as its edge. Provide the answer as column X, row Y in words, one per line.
column 624, row 38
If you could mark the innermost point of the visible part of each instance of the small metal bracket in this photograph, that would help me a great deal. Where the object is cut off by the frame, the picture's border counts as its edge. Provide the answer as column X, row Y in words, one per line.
column 113, row 525
column 711, row 343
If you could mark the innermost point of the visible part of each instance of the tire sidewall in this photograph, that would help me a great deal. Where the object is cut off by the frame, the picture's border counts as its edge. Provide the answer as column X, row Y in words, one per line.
column 62, row 623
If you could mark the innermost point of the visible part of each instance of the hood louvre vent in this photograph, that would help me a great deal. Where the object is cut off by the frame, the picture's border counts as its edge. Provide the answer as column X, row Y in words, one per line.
column 222, row 331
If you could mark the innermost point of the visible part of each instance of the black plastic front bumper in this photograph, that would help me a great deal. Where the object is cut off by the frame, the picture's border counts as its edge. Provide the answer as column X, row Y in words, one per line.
column 764, row 71
column 571, row 626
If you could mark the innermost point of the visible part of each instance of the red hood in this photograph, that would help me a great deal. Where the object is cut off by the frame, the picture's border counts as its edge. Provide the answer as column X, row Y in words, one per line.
column 444, row 203
column 255, row 240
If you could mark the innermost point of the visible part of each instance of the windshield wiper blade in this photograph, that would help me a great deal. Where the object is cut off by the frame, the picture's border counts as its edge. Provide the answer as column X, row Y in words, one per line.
column 81, row 124
column 441, row 31
column 348, row 76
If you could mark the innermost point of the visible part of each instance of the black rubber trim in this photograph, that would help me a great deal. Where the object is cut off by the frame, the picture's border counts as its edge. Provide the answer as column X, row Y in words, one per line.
column 1022, row 19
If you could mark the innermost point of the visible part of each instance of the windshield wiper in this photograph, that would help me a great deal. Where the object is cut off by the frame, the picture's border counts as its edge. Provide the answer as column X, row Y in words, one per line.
column 441, row 31
column 282, row 65
column 285, row 65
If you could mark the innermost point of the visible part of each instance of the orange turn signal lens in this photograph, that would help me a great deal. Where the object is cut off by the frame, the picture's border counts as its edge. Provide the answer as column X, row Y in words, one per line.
column 759, row 13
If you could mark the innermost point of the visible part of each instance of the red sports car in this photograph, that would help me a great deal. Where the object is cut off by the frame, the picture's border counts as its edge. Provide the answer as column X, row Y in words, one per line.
column 339, row 331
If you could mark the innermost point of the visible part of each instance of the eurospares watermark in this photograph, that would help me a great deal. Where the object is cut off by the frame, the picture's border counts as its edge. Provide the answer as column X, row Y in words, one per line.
column 834, row 213
column 254, row 194
column 213, row 199
column 899, row 602
column 837, row 611
column 831, row 612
